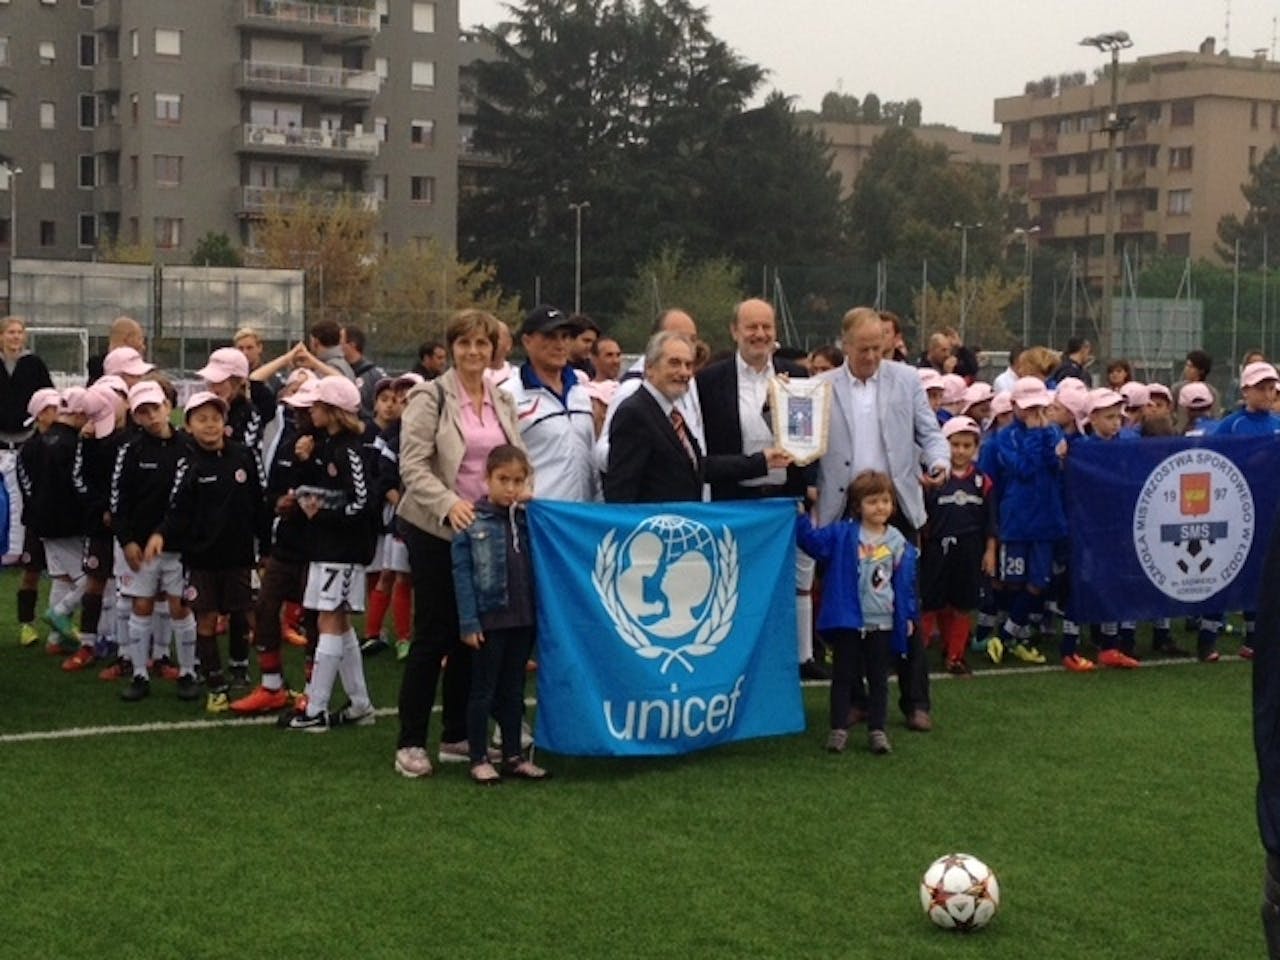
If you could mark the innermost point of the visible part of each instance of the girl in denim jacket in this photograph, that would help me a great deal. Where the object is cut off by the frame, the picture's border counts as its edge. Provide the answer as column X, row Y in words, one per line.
column 493, row 584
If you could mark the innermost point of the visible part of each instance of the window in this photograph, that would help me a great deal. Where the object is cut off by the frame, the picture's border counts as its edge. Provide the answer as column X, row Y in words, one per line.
column 168, row 42
column 47, row 115
column 380, row 67
column 1179, row 244
column 168, row 233
column 1018, row 176
column 380, row 128
column 88, row 49
column 1275, row 116
column 1182, row 113
column 1179, row 158
column 48, row 234
column 4, row 113
column 1179, row 202
column 88, row 111
column 49, row 3
column 422, row 133
column 380, row 186
column 133, row 173
column 88, row 230
column 4, row 51
column 1253, row 157
column 135, row 231
column 424, row 74
column 47, row 177
column 380, row 7
column 133, row 42
column 168, row 170
column 88, row 171
column 1019, row 134
column 422, row 189
column 46, row 52
column 6, row 232
column 424, row 18
column 133, row 108
column 1253, row 115
column 168, row 108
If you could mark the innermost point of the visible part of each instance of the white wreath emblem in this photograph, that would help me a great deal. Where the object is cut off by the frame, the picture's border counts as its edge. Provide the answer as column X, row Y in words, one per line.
column 713, row 630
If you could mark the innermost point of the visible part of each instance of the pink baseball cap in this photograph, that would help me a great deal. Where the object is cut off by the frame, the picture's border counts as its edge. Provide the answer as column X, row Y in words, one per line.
column 224, row 363
column 409, row 380
column 144, row 392
column 1073, row 395
column 299, row 377
column 1158, row 390
column 1256, row 373
column 202, row 398
column 41, row 400
column 977, row 392
column 961, row 424
column 953, row 388
column 304, row 396
column 99, row 405
column 1195, row 396
column 1102, row 398
column 930, row 378
column 126, row 361
column 1135, row 395
column 113, row 382
column 1001, row 403
column 338, row 392
column 1030, row 392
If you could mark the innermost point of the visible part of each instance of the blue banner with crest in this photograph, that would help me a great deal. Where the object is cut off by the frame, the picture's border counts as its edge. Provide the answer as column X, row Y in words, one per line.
column 664, row 628
column 1169, row 527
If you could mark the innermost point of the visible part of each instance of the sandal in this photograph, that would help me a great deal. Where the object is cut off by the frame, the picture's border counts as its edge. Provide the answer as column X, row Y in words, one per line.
column 523, row 769
column 485, row 775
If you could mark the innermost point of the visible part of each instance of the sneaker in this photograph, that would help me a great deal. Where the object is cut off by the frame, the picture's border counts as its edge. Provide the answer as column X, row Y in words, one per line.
column 1027, row 653
column 60, row 622
column 294, row 637
column 412, row 762
column 27, row 634
column 919, row 721
column 812, row 670
column 526, row 736
column 79, row 660
column 372, row 646
column 459, row 751
column 485, row 775
column 1117, row 659
column 139, row 688
column 165, row 669
column 118, row 669
column 958, row 668
column 402, row 649
column 240, row 676
column 353, row 716
column 217, row 701
column 1077, row 664
column 261, row 700
column 995, row 649
column 1209, row 656
column 978, row 646
column 837, row 740
column 878, row 742
column 1245, row 651
column 317, row 724
column 188, row 688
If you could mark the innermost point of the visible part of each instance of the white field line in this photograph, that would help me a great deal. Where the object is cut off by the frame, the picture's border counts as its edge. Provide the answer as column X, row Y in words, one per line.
column 79, row 733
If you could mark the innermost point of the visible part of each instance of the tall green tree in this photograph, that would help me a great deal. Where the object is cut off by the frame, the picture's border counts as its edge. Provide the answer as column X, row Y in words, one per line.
column 1261, row 221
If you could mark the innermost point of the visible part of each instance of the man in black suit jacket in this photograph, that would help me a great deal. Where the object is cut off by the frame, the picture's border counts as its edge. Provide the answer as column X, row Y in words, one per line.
column 735, row 404
column 653, row 458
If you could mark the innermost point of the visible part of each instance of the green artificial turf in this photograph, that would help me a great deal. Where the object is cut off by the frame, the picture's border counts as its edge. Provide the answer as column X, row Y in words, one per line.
column 1116, row 808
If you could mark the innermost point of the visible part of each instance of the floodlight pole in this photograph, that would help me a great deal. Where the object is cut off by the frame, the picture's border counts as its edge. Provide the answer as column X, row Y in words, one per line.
column 577, row 209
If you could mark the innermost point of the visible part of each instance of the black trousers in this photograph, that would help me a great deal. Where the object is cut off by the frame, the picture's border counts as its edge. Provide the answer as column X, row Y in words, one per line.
column 1271, row 906
column 497, row 686
column 282, row 581
column 855, row 654
column 435, row 636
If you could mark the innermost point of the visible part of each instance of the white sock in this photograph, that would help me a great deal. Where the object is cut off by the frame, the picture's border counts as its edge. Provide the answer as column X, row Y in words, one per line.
column 139, row 643
column 804, row 626
column 323, row 673
column 123, row 611
column 161, row 631
column 107, row 621
column 71, row 597
column 273, row 681
column 351, row 668
column 184, row 632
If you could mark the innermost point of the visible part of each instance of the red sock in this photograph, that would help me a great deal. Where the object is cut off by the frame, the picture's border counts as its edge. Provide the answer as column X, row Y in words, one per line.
column 955, row 631
column 928, row 626
column 293, row 616
column 269, row 661
column 379, row 600
column 402, row 608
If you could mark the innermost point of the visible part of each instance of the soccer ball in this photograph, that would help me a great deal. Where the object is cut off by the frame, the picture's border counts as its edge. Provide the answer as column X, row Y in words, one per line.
column 959, row 892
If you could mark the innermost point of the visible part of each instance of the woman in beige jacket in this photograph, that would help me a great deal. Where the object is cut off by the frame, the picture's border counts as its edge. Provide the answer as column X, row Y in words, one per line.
column 448, row 428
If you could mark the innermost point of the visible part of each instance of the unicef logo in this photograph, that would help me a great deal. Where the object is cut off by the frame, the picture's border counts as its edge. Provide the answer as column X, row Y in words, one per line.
column 1193, row 525
column 670, row 588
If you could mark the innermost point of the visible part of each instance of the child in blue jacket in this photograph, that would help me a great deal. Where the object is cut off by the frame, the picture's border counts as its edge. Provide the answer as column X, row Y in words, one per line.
column 869, row 604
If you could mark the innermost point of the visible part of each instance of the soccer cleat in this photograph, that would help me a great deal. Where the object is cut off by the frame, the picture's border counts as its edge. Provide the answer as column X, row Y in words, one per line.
column 217, row 701
column 1209, row 656
column 958, row 668
column 139, row 688
column 402, row 649
column 79, row 660
column 978, row 646
column 1117, row 659
column 118, row 669
column 1246, row 652
column 261, row 700
column 308, row 724
column 412, row 762
column 293, row 637
column 1027, row 653
column 60, row 622
column 27, row 634
column 188, row 688
column 1077, row 664
column 351, row 716
column 240, row 676
column 372, row 646
column 165, row 669
column 995, row 649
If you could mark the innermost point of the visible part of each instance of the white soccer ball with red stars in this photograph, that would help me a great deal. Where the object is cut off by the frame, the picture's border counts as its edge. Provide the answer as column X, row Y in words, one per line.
column 960, row 892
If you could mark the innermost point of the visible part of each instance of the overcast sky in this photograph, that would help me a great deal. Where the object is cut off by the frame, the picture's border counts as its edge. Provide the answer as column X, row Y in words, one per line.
column 954, row 56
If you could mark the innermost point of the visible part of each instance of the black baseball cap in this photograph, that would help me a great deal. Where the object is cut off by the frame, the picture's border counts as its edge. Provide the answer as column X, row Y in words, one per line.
column 545, row 318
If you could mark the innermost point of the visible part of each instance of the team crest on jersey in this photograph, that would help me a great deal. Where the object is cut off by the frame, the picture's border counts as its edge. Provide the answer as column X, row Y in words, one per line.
column 190, row 593
column 333, row 469
column 91, row 562
column 241, row 476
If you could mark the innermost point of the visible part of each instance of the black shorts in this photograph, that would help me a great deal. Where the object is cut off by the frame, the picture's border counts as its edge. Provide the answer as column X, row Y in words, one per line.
column 99, row 557
column 219, row 591
column 32, row 552
column 951, row 573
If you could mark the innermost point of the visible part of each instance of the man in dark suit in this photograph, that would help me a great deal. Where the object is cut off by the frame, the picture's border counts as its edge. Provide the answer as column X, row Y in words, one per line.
column 653, row 457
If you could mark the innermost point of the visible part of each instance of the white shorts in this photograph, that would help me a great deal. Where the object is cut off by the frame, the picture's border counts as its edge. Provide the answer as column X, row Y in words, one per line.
column 164, row 574
column 334, row 587
column 64, row 557
column 393, row 554
column 375, row 565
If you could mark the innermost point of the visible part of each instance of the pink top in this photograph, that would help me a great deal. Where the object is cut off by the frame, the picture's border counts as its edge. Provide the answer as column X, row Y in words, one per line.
column 482, row 432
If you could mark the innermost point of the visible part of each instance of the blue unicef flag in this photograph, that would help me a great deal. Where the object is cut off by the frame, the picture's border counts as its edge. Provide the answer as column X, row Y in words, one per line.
column 1169, row 527
column 664, row 628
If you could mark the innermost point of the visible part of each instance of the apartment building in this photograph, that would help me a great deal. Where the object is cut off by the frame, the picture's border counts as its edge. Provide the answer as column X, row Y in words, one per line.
column 1194, row 125
column 153, row 122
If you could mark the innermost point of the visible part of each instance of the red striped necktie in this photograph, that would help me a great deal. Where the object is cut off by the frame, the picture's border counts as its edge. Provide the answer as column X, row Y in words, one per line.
column 677, row 421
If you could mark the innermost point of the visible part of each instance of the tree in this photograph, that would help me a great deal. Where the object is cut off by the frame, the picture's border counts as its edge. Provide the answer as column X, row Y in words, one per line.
column 1262, row 193
column 912, row 113
column 871, row 109
column 110, row 251
column 988, row 299
column 840, row 107
column 215, row 250
column 707, row 289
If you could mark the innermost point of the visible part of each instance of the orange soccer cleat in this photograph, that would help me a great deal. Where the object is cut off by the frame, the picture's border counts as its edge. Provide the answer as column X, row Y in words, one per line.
column 1118, row 660
column 261, row 700
column 1077, row 664
column 79, row 660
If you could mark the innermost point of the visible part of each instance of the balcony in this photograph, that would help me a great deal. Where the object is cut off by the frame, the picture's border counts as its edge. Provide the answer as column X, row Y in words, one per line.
column 256, row 201
column 106, row 75
column 1044, row 187
column 307, row 141
column 107, row 14
column 1136, row 134
column 106, row 138
column 1133, row 179
column 1040, row 146
column 106, row 197
column 327, row 83
column 324, row 20
column 469, row 153
column 1134, row 222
